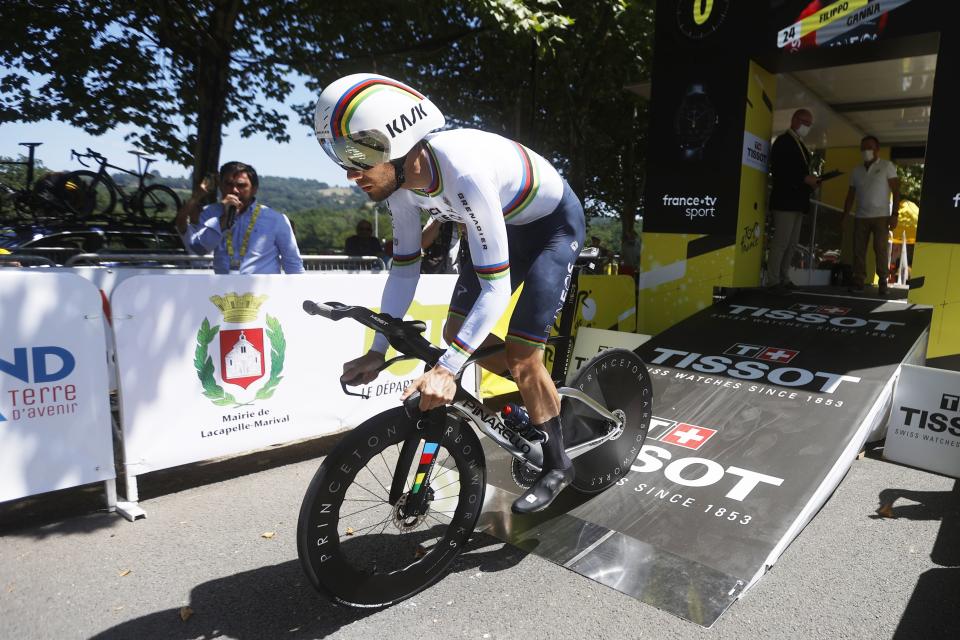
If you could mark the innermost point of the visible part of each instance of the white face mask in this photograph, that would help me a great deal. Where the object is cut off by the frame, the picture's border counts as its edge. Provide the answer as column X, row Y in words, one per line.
column 867, row 155
column 803, row 130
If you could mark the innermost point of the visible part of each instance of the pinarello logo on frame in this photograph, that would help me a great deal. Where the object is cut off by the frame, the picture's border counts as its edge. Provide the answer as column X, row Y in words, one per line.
column 687, row 435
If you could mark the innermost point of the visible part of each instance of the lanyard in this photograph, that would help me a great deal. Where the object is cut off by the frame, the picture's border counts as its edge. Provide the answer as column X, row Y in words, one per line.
column 236, row 260
column 803, row 147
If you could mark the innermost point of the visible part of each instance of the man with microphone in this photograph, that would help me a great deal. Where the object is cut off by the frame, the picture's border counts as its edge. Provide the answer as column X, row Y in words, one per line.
column 244, row 235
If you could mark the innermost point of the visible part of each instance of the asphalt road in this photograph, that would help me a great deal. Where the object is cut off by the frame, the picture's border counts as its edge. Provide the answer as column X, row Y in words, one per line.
column 69, row 572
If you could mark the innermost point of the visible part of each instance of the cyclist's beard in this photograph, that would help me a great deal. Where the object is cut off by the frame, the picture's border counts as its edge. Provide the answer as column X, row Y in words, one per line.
column 390, row 186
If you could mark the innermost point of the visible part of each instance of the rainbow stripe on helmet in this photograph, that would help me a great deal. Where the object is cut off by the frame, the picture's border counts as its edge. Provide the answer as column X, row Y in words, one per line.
column 355, row 95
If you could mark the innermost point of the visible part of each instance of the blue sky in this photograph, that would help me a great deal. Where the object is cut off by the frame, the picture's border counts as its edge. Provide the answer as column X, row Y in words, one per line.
column 300, row 158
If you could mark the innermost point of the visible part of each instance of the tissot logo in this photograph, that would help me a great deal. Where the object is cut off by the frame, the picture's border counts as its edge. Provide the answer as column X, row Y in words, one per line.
column 932, row 420
column 688, row 435
column 812, row 318
column 760, row 352
column 830, row 310
column 950, row 402
column 823, row 381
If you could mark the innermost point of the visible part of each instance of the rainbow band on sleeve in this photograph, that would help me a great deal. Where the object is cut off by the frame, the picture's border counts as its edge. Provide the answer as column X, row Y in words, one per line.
column 352, row 97
column 526, row 338
column 493, row 271
column 462, row 347
column 405, row 260
column 454, row 312
column 529, row 185
column 436, row 184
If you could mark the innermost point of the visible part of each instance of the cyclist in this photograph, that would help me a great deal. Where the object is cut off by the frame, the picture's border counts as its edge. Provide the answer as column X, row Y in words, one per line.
column 523, row 224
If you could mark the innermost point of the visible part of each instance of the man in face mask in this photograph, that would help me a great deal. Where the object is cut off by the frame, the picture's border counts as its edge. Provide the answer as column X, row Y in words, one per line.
column 793, row 184
column 872, row 184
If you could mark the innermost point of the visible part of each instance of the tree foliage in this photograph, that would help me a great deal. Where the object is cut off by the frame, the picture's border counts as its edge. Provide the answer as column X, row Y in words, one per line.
column 564, row 95
column 550, row 75
column 911, row 179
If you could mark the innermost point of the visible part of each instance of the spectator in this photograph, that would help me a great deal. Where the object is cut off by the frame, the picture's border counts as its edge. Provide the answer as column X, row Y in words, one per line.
column 363, row 244
column 871, row 185
column 793, row 184
column 245, row 235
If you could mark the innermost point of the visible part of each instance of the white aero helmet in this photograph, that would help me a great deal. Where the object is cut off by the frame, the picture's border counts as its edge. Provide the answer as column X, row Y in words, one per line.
column 365, row 119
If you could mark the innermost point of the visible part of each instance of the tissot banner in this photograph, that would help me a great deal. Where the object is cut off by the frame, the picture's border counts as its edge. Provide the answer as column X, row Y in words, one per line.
column 760, row 405
column 924, row 427
column 55, row 429
column 213, row 365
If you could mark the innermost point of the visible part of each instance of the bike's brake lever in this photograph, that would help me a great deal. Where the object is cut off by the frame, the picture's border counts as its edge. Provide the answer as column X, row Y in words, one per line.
column 343, row 385
column 412, row 405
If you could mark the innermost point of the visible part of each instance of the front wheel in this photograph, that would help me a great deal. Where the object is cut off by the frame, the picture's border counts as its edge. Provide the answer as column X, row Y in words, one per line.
column 363, row 550
column 617, row 379
column 157, row 202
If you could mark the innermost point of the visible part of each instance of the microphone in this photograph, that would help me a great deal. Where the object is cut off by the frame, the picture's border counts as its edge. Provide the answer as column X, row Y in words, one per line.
column 231, row 214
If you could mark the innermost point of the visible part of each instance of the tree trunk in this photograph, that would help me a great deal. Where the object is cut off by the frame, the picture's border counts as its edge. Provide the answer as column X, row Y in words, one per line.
column 628, row 213
column 213, row 87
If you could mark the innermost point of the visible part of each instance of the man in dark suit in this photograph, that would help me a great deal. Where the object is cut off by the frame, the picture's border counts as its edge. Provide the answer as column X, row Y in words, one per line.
column 793, row 184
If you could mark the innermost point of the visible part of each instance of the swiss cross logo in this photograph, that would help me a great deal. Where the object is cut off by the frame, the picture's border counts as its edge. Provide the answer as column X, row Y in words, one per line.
column 761, row 352
column 833, row 311
column 820, row 308
column 688, row 435
column 772, row 354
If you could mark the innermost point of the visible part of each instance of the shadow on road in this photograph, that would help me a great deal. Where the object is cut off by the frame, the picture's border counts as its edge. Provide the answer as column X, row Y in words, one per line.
column 930, row 613
column 277, row 601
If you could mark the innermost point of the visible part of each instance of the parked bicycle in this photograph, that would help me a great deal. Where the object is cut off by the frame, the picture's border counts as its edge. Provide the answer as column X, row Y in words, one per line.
column 398, row 498
column 36, row 202
column 100, row 192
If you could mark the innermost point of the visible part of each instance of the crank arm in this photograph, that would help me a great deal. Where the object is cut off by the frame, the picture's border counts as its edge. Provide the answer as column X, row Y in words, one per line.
column 576, row 394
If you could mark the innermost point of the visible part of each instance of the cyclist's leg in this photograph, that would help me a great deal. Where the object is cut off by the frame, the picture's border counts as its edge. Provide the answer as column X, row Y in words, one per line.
column 555, row 242
column 465, row 295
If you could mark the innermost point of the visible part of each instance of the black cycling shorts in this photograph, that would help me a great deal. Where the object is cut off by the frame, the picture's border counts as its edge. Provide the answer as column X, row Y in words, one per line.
column 542, row 255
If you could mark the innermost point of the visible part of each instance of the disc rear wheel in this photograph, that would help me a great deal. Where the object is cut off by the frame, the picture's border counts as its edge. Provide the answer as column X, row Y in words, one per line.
column 617, row 379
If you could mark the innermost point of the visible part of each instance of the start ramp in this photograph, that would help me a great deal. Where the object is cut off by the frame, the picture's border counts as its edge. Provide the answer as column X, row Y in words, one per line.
column 761, row 405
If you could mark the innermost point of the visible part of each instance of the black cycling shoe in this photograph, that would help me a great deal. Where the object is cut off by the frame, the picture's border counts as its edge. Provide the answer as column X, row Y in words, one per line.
column 544, row 490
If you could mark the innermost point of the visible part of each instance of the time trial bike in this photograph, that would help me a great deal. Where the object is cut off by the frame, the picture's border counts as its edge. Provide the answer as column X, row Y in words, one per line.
column 100, row 192
column 398, row 498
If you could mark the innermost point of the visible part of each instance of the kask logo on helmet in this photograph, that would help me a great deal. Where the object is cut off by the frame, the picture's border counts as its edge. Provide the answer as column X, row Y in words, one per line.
column 417, row 112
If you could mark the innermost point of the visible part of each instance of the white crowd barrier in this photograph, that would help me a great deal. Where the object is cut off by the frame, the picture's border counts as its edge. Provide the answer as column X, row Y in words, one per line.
column 55, row 424
column 216, row 365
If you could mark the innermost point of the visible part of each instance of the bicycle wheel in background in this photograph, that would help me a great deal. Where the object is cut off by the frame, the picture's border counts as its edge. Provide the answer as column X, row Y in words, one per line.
column 617, row 379
column 86, row 194
column 157, row 202
column 361, row 550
